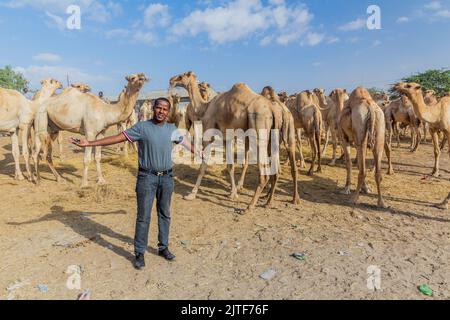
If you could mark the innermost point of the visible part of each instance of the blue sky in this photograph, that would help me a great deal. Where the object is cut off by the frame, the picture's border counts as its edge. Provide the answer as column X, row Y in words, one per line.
column 291, row 45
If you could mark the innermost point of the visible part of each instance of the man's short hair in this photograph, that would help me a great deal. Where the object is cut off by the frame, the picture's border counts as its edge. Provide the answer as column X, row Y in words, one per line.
column 157, row 101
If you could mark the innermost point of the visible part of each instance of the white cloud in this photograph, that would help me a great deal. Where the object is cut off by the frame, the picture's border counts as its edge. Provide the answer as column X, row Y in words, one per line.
column 157, row 14
column 316, row 64
column 117, row 33
column 353, row 40
column 433, row 5
column 354, row 25
column 36, row 73
column 332, row 40
column 55, row 21
column 314, row 39
column 243, row 19
column 376, row 43
column 403, row 19
column 47, row 57
column 148, row 38
column 443, row 13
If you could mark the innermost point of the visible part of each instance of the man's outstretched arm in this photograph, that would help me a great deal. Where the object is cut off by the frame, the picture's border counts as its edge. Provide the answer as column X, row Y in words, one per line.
column 83, row 142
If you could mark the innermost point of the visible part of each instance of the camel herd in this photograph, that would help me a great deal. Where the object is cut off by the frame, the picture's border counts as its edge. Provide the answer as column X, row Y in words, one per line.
column 357, row 119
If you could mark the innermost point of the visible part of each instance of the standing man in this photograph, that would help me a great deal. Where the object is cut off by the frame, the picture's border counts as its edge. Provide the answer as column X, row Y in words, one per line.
column 155, row 179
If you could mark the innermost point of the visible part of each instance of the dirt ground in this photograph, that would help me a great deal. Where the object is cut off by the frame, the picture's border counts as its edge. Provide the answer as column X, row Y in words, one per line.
column 220, row 254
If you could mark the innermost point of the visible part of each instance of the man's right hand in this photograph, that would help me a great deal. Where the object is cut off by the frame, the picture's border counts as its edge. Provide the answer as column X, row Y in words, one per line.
column 82, row 142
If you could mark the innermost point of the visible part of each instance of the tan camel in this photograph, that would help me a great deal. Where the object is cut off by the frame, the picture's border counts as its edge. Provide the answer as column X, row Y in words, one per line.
column 307, row 117
column 362, row 124
column 128, row 123
column 331, row 107
column 146, row 111
column 17, row 114
column 81, row 87
column 190, row 116
column 86, row 114
column 175, row 114
column 437, row 115
column 238, row 108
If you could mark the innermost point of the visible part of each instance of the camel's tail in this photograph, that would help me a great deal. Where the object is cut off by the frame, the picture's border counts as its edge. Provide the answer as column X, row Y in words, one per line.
column 371, row 118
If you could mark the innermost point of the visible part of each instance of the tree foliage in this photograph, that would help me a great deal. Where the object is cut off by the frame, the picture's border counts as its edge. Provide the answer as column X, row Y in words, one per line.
column 436, row 80
column 10, row 79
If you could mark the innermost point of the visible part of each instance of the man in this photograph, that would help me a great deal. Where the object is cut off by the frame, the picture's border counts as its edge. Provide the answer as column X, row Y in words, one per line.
column 155, row 178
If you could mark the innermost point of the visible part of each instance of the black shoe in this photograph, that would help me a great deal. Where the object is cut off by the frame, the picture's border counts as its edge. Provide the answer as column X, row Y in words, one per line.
column 139, row 262
column 166, row 254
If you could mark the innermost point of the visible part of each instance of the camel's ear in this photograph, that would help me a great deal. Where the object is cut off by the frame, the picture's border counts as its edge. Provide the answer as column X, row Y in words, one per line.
column 418, row 87
column 128, row 78
column 345, row 90
column 42, row 82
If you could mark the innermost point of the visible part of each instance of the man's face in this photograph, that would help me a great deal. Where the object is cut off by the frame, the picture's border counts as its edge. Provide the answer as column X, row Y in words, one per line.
column 161, row 111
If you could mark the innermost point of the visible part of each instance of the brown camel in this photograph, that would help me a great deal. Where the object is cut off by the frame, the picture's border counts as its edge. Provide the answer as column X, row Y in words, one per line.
column 362, row 124
column 307, row 116
column 331, row 107
column 175, row 114
column 238, row 108
column 82, row 113
column 437, row 115
column 190, row 116
column 146, row 111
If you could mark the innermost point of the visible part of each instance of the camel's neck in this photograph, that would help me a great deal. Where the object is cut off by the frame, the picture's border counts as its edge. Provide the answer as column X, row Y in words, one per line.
column 427, row 113
column 121, row 111
column 200, row 105
column 43, row 95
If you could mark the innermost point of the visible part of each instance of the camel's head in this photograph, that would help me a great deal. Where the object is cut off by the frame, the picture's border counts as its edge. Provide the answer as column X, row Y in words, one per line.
column 137, row 81
column 408, row 87
column 339, row 94
column 51, row 83
column 405, row 101
column 320, row 93
column 204, row 89
column 268, row 92
column 283, row 96
column 307, row 98
column 82, row 87
column 429, row 93
column 183, row 80
column 175, row 99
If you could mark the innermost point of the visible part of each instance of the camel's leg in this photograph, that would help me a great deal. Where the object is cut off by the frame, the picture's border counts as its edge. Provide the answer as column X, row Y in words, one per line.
column 314, row 154
column 294, row 171
column 377, row 157
column 361, row 151
column 437, row 152
column 424, row 124
column 16, row 155
column 319, row 151
column 273, row 183
column 233, row 195
column 200, row 176
column 240, row 185
column 87, row 161
column 62, row 157
column 348, row 164
column 38, row 144
column 444, row 140
column 327, row 139
column 26, row 149
column 398, row 134
column 334, row 139
column 263, row 180
column 98, row 158
column 388, row 150
column 52, row 139
column 299, row 145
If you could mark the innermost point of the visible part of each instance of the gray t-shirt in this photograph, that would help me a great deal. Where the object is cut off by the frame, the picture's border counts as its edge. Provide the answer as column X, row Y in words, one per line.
column 155, row 144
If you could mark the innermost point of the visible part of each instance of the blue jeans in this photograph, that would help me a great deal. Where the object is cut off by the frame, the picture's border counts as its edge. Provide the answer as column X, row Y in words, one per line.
column 148, row 187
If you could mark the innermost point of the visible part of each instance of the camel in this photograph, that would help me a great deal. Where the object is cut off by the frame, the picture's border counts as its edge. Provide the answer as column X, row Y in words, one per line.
column 335, row 103
column 146, row 111
column 307, row 116
column 86, row 114
column 17, row 114
column 381, row 99
column 175, row 114
column 190, row 116
column 401, row 111
column 128, row 123
column 437, row 115
column 362, row 123
column 82, row 87
column 238, row 108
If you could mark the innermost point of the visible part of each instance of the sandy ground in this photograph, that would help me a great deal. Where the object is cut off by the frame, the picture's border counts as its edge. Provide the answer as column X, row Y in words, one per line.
column 221, row 254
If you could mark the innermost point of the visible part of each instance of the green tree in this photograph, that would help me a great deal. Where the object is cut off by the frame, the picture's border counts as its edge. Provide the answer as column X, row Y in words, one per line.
column 10, row 79
column 437, row 80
